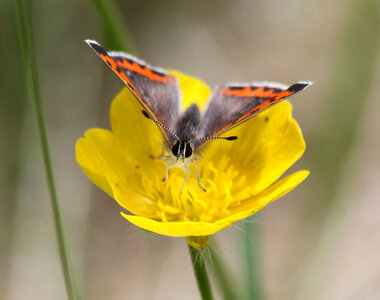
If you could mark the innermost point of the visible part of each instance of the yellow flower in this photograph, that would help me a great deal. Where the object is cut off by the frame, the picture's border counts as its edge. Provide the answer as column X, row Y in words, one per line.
column 241, row 176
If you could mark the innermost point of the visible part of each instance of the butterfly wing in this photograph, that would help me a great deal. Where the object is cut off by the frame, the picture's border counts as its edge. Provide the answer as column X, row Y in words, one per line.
column 232, row 104
column 157, row 91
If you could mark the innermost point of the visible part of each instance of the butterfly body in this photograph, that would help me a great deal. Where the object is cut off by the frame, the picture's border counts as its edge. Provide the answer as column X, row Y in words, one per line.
column 186, row 132
column 188, row 124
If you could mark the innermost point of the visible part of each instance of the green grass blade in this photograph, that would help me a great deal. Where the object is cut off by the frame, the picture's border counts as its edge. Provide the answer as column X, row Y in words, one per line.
column 33, row 89
column 12, row 118
column 115, row 32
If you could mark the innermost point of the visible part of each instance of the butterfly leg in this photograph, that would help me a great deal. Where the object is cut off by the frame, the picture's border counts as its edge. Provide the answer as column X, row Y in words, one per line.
column 165, row 158
column 197, row 174
column 167, row 170
column 187, row 176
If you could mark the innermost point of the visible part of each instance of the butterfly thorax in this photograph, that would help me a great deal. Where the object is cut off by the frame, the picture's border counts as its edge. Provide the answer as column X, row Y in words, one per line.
column 187, row 129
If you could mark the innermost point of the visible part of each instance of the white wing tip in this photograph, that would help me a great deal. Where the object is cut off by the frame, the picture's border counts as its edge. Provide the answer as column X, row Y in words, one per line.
column 306, row 82
column 88, row 41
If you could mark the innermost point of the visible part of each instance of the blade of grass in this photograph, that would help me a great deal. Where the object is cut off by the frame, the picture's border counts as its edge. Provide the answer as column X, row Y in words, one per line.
column 251, row 259
column 12, row 117
column 33, row 89
column 116, row 34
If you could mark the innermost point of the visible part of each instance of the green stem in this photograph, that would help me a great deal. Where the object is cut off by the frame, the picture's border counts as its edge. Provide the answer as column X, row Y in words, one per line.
column 220, row 272
column 30, row 70
column 200, row 272
column 251, row 259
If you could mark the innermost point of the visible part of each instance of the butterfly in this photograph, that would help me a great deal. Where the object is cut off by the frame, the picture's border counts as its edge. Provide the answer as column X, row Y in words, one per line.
column 186, row 132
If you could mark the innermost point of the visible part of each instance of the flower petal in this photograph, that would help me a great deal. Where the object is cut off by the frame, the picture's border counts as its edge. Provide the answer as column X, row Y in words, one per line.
column 140, row 137
column 256, row 203
column 102, row 160
column 267, row 145
column 193, row 90
column 98, row 156
column 176, row 229
column 88, row 161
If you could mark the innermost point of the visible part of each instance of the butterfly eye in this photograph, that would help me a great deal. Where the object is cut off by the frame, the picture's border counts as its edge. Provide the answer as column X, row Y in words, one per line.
column 189, row 151
column 175, row 148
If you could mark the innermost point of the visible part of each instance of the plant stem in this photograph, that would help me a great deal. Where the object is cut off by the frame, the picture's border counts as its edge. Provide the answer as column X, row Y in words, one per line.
column 251, row 259
column 30, row 70
column 200, row 272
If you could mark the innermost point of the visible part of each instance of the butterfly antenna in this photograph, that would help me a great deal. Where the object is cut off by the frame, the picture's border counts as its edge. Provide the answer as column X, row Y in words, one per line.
column 146, row 115
column 228, row 138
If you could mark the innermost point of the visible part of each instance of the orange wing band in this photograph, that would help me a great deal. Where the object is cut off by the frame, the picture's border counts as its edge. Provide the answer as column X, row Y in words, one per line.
column 144, row 71
column 114, row 66
column 259, row 92
column 261, row 107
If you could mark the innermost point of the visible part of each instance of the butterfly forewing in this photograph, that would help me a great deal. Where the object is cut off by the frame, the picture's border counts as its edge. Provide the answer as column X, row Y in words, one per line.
column 156, row 90
column 232, row 104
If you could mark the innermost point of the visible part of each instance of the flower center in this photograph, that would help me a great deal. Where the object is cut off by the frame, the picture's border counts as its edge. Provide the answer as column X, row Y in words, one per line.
column 225, row 187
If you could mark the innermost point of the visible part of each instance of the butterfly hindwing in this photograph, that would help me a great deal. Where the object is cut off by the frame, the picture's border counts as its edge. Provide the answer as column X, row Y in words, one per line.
column 156, row 90
column 232, row 104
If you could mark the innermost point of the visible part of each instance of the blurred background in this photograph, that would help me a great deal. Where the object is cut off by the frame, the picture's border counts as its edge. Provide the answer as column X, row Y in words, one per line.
column 321, row 241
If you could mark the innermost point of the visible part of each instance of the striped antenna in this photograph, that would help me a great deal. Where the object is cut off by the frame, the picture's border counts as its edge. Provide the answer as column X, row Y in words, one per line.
column 228, row 138
column 146, row 115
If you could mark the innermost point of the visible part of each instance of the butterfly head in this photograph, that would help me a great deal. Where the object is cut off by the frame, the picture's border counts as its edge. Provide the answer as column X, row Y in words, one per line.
column 182, row 149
